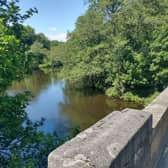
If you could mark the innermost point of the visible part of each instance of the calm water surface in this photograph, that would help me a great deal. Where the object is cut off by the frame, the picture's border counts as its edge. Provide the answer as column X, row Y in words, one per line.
column 62, row 107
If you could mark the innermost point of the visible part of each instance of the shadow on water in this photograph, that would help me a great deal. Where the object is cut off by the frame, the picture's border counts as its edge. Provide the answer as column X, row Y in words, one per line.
column 63, row 108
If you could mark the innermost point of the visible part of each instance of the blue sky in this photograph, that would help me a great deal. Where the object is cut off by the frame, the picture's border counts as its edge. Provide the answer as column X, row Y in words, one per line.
column 55, row 17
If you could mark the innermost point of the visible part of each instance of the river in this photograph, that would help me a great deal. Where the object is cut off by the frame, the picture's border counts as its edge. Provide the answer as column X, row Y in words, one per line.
column 62, row 107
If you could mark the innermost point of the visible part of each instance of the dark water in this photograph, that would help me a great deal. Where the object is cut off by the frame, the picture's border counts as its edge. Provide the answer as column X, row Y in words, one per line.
column 62, row 107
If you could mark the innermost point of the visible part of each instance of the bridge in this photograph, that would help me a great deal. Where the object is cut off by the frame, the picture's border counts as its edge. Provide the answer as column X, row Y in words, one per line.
column 124, row 139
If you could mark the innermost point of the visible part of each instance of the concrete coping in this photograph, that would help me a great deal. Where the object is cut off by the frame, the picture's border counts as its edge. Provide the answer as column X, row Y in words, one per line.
column 158, row 107
column 99, row 145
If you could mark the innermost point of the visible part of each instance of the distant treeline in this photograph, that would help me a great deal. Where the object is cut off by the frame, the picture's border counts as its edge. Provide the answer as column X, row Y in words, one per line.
column 40, row 51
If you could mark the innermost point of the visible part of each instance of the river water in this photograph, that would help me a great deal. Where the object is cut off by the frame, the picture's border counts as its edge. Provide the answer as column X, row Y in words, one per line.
column 61, row 106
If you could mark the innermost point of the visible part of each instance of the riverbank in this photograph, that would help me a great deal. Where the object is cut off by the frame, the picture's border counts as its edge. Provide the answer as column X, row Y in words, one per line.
column 78, row 84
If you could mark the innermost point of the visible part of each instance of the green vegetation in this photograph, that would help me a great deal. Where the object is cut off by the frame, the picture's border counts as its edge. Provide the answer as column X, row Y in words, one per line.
column 21, row 143
column 41, row 52
column 120, row 47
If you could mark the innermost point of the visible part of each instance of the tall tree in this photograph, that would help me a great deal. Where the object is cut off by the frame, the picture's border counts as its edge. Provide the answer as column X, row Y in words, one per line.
column 21, row 144
column 115, row 45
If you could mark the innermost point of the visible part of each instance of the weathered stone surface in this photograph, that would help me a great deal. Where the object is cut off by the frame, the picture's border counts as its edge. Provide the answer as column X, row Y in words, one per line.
column 159, row 110
column 158, row 107
column 119, row 135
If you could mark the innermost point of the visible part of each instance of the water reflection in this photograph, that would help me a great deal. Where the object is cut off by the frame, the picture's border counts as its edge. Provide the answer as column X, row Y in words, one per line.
column 63, row 108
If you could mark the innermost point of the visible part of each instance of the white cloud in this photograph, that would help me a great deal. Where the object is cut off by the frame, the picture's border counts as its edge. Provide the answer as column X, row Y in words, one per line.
column 60, row 37
column 53, row 29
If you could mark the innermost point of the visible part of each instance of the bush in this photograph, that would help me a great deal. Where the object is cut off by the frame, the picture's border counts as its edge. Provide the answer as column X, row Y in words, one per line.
column 128, row 96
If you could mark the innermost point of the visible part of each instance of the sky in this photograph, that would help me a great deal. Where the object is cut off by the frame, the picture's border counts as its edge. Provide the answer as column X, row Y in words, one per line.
column 55, row 17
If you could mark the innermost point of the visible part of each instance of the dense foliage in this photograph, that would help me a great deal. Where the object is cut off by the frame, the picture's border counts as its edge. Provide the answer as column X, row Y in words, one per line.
column 120, row 47
column 21, row 143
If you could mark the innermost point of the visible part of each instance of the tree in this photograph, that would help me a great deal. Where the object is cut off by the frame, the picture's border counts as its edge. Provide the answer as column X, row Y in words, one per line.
column 159, row 56
column 119, row 45
column 28, row 36
column 21, row 144
column 12, row 58
column 41, row 38
column 37, row 54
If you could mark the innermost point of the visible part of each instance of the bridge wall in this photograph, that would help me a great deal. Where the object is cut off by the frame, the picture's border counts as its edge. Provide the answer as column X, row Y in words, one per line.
column 159, row 110
column 123, row 139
